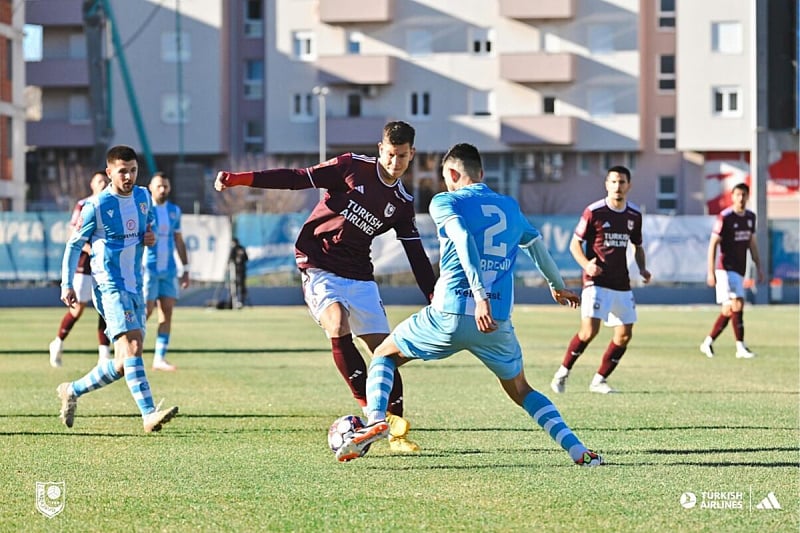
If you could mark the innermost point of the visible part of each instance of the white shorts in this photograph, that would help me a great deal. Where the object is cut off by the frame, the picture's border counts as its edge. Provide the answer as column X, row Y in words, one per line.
column 82, row 283
column 361, row 300
column 730, row 285
column 614, row 308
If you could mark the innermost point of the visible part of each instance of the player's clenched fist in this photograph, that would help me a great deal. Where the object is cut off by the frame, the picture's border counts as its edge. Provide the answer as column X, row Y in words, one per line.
column 221, row 183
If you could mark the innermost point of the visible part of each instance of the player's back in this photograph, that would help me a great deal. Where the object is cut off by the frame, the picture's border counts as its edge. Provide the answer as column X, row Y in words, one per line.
column 498, row 227
column 161, row 257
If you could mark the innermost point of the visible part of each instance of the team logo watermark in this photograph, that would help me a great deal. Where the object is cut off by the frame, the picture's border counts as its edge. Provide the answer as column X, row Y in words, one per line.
column 728, row 500
column 50, row 497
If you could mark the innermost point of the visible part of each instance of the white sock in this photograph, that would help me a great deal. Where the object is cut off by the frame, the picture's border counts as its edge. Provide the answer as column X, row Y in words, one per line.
column 740, row 345
column 597, row 379
column 103, row 351
column 708, row 341
column 58, row 342
column 562, row 372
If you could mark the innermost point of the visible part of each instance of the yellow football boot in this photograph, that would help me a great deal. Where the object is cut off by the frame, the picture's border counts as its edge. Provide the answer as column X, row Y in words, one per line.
column 398, row 435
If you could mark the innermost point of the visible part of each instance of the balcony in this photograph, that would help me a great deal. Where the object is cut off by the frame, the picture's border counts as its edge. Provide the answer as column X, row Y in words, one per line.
column 61, row 72
column 538, row 67
column 54, row 12
column 356, row 70
column 539, row 130
column 59, row 134
column 354, row 131
column 538, row 9
column 355, row 11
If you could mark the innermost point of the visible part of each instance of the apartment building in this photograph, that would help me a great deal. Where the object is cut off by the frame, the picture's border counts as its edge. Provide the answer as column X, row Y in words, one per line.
column 12, row 107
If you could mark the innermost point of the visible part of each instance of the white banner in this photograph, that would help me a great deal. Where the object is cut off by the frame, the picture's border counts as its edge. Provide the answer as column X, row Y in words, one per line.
column 208, row 245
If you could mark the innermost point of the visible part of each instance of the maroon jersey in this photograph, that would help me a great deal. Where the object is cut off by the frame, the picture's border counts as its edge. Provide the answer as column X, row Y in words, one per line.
column 606, row 233
column 357, row 207
column 735, row 231
column 84, row 259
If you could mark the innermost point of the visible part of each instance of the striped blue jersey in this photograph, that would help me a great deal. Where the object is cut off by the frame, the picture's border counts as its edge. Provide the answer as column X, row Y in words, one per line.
column 497, row 228
column 160, row 259
column 114, row 226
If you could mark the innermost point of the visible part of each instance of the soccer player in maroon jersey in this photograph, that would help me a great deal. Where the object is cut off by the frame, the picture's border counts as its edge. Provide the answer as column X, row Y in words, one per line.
column 606, row 226
column 83, row 289
column 734, row 233
column 364, row 199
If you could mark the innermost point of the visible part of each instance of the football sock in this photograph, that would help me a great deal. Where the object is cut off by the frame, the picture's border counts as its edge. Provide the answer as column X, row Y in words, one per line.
column 104, row 351
column 396, row 396
column 542, row 410
column 379, row 384
column 611, row 359
column 66, row 325
column 738, row 325
column 162, row 342
column 574, row 350
column 138, row 384
column 719, row 325
column 102, row 338
column 351, row 366
column 100, row 376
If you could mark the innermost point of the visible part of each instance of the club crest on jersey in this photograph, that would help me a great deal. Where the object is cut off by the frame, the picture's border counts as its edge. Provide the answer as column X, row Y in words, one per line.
column 130, row 225
column 630, row 225
column 143, row 207
column 388, row 210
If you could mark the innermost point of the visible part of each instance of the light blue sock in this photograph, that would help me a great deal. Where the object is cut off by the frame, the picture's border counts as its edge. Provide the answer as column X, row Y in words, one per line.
column 100, row 376
column 138, row 384
column 542, row 410
column 380, row 379
column 162, row 342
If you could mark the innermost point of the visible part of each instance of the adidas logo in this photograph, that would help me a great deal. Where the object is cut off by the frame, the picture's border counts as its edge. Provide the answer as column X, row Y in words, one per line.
column 770, row 502
column 359, row 188
column 607, row 224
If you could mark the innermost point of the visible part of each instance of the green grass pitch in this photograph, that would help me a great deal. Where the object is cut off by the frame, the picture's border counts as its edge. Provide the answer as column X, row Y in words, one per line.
column 257, row 390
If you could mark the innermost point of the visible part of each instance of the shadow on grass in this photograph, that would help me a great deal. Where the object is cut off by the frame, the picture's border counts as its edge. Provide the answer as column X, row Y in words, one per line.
column 43, row 353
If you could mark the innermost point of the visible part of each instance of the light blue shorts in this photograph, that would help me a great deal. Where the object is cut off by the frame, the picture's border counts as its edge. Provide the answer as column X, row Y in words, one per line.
column 430, row 334
column 122, row 310
column 160, row 286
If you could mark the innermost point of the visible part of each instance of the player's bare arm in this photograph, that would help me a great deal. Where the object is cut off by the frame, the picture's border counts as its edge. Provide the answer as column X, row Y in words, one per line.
column 711, row 277
column 642, row 264
column 756, row 259
column 483, row 316
column 566, row 297
column 589, row 266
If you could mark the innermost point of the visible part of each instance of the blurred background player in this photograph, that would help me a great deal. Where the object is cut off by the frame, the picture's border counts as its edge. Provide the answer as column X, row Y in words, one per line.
column 83, row 288
column 481, row 233
column 734, row 233
column 161, row 270
column 238, row 274
column 117, row 224
column 364, row 198
column 606, row 227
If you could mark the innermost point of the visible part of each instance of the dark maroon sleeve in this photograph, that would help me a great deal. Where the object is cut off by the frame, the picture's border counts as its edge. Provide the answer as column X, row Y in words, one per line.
column 326, row 175
column 282, row 178
column 420, row 266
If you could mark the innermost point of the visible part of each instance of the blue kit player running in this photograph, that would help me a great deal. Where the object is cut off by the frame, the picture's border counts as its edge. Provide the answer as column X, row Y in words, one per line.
column 161, row 270
column 480, row 234
column 116, row 223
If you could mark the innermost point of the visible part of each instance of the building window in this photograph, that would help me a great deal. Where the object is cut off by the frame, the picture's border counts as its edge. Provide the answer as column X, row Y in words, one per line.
column 666, row 72
column 175, row 110
column 302, row 106
column 253, row 18
column 254, row 136
column 666, row 14
column 353, row 105
column 631, row 158
column 666, row 134
column 601, row 39
column 600, row 102
column 170, row 47
column 254, row 79
column 584, row 163
column 79, row 109
column 482, row 103
column 726, row 37
column 32, row 43
column 354, row 40
column 549, row 105
column 420, row 104
column 608, row 160
column 727, row 101
column 419, row 42
column 303, row 46
column 482, row 39
column 667, row 195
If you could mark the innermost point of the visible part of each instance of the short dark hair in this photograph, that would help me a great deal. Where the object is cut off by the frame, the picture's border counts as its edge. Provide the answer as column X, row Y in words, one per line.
column 743, row 187
column 399, row 132
column 103, row 172
column 619, row 169
column 469, row 156
column 120, row 152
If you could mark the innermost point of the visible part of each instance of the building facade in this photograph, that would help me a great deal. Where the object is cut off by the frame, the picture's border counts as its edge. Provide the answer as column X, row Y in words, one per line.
column 12, row 108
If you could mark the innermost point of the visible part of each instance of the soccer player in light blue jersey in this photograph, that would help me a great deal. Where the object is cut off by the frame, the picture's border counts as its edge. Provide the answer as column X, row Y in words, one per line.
column 117, row 225
column 161, row 269
column 480, row 234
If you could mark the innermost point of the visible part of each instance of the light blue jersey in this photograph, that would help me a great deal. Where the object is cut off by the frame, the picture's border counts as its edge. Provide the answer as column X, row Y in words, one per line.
column 485, row 262
column 160, row 258
column 114, row 226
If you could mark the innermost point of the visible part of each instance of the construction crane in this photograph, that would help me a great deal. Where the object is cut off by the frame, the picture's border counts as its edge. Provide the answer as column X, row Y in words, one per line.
column 97, row 14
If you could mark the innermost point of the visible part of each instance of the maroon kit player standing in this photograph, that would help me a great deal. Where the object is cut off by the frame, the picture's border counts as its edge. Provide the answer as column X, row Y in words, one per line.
column 606, row 226
column 734, row 233
column 364, row 199
column 83, row 289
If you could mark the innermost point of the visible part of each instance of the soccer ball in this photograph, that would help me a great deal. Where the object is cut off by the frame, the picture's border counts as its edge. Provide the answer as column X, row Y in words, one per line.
column 343, row 428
